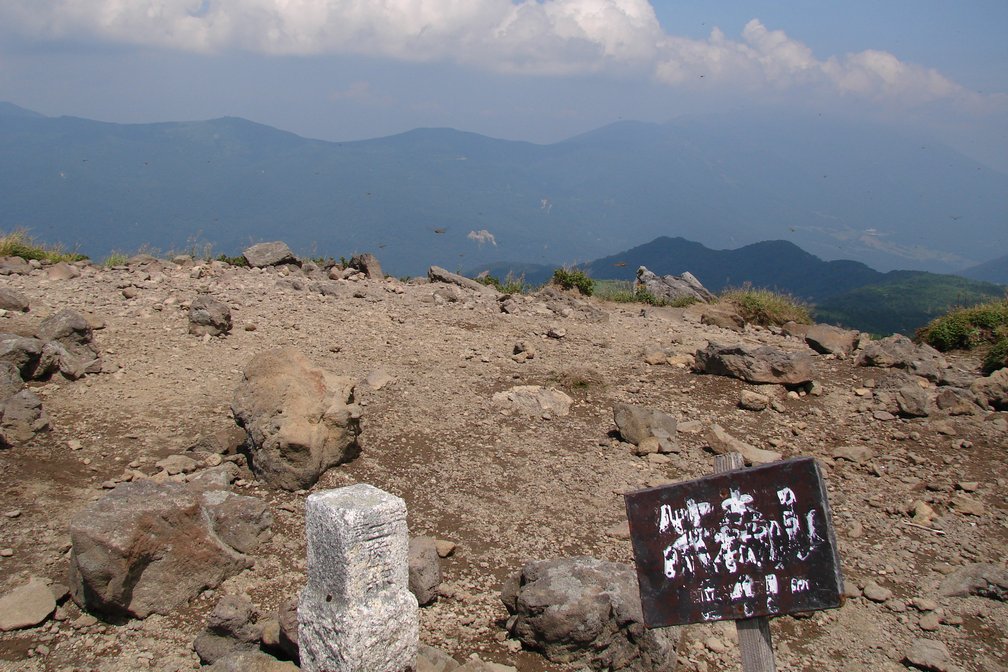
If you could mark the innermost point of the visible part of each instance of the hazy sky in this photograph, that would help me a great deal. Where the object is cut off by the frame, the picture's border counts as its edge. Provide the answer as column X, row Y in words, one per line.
column 519, row 69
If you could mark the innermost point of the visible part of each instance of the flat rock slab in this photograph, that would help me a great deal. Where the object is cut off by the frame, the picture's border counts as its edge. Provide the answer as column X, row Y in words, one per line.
column 27, row 605
column 149, row 548
column 763, row 364
column 535, row 400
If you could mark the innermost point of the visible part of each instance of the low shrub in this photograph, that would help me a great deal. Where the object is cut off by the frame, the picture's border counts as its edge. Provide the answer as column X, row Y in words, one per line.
column 967, row 328
column 574, row 278
column 997, row 356
column 766, row 307
column 19, row 243
column 233, row 261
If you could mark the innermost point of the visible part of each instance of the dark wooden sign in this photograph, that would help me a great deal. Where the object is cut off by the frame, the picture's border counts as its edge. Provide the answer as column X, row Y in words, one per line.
column 738, row 544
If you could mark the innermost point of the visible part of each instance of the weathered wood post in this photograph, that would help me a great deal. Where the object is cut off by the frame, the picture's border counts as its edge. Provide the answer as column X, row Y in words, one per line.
column 356, row 613
column 743, row 544
column 755, row 643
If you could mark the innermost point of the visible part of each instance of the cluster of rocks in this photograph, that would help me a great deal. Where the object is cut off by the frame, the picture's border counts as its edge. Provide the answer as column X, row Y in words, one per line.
column 63, row 343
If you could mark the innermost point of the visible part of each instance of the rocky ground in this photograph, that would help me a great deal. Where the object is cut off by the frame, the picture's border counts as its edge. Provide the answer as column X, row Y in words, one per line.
column 924, row 499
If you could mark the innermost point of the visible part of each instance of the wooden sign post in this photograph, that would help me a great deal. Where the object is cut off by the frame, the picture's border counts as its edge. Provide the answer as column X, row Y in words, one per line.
column 743, row 544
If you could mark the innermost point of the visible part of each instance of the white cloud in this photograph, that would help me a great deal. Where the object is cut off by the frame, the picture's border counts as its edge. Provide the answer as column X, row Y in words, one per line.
column 541, row 37
column 482, row 236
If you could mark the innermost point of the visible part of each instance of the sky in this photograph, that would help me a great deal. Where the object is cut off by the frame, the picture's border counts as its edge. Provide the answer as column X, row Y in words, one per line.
column 535, row 70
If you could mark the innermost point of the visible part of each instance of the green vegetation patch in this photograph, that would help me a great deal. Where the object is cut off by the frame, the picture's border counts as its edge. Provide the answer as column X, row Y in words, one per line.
column 115, row 258
column 233, row 261
column 981, row 326
column 574, row 278
column 19, row 243
column 766, row 307
column 510, row 284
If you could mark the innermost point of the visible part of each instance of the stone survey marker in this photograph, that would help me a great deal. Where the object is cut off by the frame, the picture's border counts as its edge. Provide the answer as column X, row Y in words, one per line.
column 356, row 613
column 738, row 544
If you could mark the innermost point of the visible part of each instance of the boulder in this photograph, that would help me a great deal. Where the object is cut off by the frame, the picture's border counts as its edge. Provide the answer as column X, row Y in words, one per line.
column 14, row 266
column 764, row 364
column 957, row 401
column 21, row 417
column 62, row 271
column 26, row 606
column 424, row 569
column 13, row 300
column 931, row 655
column 636, row 423
column 368, row 265
column 535, row 400
column 69, row 346
column 993, row 389
column 150, row 548
column 269, row 254
column 10, row 381
column 586, row 611
column 899, row 352
column 207, row 315
column 672, row 288
column 912, row 401
column 22, row 353
column 721, row 442
column 300, row 419
column 829, row 340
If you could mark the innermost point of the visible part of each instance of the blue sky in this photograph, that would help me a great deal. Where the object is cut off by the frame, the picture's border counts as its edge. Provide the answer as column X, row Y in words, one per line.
column 519, row 69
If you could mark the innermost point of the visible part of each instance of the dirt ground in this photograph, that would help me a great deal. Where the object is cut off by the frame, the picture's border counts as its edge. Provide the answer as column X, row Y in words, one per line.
column 505, row 488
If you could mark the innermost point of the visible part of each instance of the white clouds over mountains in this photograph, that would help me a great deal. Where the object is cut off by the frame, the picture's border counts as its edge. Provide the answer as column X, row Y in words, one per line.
column 537, row 37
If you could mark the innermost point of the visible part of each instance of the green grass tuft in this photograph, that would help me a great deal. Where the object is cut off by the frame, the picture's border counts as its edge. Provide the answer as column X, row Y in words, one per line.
column 115, row 258
column 766, row 307
column 233, row 261
column 19, row 243
column 510, row 284
column 966, row 328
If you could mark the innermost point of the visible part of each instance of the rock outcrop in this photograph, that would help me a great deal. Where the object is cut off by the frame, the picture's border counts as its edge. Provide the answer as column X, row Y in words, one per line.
column 300, row 419
column 672, row 288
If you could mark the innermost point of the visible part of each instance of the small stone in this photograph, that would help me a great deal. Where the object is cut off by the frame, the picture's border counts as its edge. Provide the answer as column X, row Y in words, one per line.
column 855, row 530
column 929, row 622
column 27, row 605
column 444, row 548
column 715, row 644
column 923, row 604
column 931, row 655
column 6, row 552
column 968, row 486
column 16, row 513
column 856, row 454
column 968, row 506
column 876, row 593
column 74, row 444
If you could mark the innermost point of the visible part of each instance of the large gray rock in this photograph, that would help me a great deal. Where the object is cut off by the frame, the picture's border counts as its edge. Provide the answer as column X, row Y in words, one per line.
column 671, row 288
column 424, row 569
column 21, row 417
column 26, row 606
column 69, row 346
column 150, row 548
column 22, row 353
column 993, row 390
column 14, row 266
column 269, row 254
column 912, row 401
column 636, row 423
column 899, row 352
column 829, row 340
column 764, row 364
column 300, row 419
column 207, row 315
column 587, row 611
column 11, row 299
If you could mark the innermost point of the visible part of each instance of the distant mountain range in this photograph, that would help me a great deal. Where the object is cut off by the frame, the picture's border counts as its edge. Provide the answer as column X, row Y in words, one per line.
column 841, row 292
column 460, row 200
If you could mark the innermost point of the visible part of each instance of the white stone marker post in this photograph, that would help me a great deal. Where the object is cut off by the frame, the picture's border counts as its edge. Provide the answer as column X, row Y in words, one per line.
column 356, row 614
